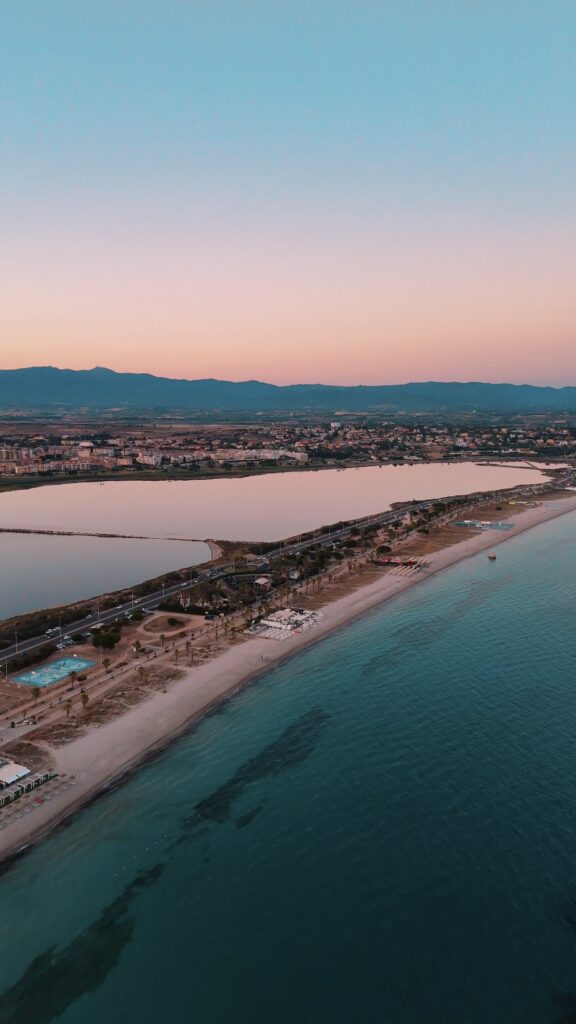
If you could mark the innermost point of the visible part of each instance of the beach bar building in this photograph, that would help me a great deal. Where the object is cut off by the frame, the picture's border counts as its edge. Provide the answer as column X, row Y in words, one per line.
column 16, row 781
column 10, row 772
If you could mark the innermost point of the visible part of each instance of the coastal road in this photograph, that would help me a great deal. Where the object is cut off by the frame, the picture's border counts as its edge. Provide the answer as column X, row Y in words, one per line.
column 109, row 615
column 151, row 601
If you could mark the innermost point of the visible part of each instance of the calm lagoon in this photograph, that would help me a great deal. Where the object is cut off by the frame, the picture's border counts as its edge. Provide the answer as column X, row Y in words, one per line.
column 266, row 508
column 41, row 572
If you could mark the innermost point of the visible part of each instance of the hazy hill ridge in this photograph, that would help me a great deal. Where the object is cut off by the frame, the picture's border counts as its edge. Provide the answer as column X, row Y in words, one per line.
column 46, row 386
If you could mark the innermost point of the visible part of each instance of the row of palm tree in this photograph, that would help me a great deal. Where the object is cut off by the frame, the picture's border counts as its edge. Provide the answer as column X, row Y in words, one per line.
column 84, row 698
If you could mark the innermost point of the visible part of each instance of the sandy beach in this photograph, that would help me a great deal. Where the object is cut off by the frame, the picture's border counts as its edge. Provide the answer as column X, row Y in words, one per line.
column 104, row 754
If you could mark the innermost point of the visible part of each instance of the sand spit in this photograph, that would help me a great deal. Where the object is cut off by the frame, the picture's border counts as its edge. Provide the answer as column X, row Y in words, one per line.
column 104, row 754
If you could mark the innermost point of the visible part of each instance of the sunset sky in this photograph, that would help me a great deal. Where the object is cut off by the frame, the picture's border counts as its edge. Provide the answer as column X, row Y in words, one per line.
column 349, row 192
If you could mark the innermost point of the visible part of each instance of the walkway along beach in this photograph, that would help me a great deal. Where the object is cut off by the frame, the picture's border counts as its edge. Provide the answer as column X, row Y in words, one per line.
column 101, row 756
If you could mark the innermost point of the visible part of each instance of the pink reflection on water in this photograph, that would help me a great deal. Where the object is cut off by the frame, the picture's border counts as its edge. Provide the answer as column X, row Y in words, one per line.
column 267, row 507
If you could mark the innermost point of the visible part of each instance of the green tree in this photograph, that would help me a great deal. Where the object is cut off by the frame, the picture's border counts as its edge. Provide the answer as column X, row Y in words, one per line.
column 106, row 640
column 36, row 693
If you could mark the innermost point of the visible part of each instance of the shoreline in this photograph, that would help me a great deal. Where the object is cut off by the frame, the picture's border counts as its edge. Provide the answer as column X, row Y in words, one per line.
column 131, row 740
column 26, row 483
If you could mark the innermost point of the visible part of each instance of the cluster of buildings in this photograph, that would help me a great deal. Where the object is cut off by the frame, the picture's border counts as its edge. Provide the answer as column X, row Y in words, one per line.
column 350, row 439
column 284, row 623
column 87, row 457
column 367, row 439
column 222, row 455
column 381, row 441
column 63, row 457
column 16, row 780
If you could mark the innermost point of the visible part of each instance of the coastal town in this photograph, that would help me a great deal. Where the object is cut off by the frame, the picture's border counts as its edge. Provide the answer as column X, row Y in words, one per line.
column 80, row 450
column 287, row 513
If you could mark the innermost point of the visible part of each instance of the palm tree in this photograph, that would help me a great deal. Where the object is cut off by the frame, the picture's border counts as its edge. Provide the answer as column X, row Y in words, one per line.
column 162, row 639
column 72, row 677
column 106, row 663
column 68, row 706
column 36, row 693
column 84, row 698
column 137, row 647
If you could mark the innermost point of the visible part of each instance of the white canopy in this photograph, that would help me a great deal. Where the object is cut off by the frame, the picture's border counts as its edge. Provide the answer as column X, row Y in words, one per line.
column 12, row 772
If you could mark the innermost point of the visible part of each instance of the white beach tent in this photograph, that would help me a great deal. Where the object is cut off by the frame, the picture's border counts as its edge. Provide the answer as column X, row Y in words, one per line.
column 11, row 772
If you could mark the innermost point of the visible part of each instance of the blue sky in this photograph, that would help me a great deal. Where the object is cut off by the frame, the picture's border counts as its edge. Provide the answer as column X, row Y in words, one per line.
column 250, row 140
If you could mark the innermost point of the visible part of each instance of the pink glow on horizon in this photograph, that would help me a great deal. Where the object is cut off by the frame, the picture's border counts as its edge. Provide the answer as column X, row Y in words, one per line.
column 333, row 303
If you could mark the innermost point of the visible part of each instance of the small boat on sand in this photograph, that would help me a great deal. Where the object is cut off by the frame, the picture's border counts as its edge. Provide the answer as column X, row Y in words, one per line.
column 492, row 556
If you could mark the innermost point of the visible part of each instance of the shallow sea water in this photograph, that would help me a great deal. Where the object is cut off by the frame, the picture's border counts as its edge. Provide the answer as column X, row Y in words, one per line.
column 382, row 829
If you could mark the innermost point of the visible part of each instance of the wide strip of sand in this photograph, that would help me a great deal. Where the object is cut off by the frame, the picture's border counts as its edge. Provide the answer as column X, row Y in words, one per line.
column 101, row 756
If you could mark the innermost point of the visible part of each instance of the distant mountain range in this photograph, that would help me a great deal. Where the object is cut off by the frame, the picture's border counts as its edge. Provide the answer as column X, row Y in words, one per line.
column 46, row 387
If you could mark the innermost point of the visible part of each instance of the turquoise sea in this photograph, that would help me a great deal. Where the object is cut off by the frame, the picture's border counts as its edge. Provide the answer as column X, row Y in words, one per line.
column 380, row 831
